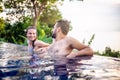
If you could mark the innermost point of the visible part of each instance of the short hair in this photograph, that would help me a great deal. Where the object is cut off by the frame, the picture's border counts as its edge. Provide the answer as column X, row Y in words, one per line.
column 64, row 25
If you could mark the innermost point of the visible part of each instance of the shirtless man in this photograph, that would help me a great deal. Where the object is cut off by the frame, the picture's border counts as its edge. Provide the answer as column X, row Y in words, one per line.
column 63, row 45
column 62, row 48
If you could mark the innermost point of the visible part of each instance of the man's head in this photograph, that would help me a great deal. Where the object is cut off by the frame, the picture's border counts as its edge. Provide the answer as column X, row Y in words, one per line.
column 31, row 33
column 61, row 25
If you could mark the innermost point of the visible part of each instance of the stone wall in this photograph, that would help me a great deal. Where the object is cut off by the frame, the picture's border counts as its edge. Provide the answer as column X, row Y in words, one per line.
column 9, row 49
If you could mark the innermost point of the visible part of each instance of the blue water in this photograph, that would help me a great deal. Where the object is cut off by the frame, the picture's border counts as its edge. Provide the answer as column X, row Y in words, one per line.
column 14, row 66
column 26, row 70
column 13, row 70
column 57, row 72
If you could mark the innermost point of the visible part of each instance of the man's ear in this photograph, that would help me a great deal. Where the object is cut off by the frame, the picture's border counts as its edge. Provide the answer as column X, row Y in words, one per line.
column 58, row 29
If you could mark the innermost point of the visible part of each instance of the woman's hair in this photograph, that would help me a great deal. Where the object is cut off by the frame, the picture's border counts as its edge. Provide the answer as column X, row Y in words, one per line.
column 30, row 27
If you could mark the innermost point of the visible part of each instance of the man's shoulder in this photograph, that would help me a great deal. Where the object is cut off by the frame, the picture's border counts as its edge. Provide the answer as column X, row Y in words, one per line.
column 70, row 38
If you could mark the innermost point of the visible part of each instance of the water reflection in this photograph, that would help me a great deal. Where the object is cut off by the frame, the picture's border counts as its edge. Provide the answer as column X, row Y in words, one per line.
column 20, row 70
column 49, row 69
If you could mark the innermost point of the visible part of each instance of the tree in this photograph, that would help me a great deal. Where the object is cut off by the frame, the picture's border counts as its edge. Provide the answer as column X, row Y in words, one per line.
column 50, row 15
column 29, row 7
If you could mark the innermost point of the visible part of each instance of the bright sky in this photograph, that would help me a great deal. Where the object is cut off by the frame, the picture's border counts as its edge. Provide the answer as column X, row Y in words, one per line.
column 101, row 17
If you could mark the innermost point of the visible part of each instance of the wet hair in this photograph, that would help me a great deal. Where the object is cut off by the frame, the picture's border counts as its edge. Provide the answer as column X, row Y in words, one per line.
column 64, row 25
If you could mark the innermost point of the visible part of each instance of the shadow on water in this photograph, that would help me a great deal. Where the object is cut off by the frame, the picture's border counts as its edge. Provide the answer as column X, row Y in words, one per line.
column 19, row 69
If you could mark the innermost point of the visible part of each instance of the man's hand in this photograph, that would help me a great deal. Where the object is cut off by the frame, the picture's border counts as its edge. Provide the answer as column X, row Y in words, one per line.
column 71, row 55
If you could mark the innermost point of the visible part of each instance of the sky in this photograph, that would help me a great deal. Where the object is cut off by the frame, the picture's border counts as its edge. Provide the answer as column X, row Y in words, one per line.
column 99, row 17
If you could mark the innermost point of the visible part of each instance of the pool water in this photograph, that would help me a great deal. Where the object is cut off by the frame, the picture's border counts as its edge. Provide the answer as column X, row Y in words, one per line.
column 21, row 70
column 80, row 68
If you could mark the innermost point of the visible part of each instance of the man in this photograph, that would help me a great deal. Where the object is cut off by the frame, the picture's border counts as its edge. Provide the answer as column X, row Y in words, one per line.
column 62, row 48
column 63, row 45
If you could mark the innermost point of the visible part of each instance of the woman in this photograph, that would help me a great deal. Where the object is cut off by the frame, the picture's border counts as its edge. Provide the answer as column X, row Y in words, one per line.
column 35, row 46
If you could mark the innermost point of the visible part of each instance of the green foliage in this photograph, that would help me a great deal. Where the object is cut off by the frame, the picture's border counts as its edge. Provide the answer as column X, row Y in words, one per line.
column 26, row 20
column 44, row 33
column 89, row 43
column 109, row 52
column 2, row 39
column 33, row 8
column 2, row 25
column 14, row 40
column 1, row 10
column 14, row 32
column 46, row 27
column 50, row 15
column 25, row 39
column 112, row 53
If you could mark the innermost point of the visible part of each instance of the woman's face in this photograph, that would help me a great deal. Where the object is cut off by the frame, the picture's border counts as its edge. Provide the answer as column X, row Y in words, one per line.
column 31, row 34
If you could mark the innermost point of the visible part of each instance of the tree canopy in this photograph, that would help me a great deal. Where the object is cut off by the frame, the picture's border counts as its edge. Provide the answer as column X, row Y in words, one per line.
column 34, row 8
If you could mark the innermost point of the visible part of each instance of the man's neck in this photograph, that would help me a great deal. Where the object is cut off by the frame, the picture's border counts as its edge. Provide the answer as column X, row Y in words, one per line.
column 60, row 37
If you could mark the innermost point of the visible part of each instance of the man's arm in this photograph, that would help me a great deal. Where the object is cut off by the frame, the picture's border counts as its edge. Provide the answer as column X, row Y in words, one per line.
column 40, row 47
column 81, row 49
column 42, row 44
